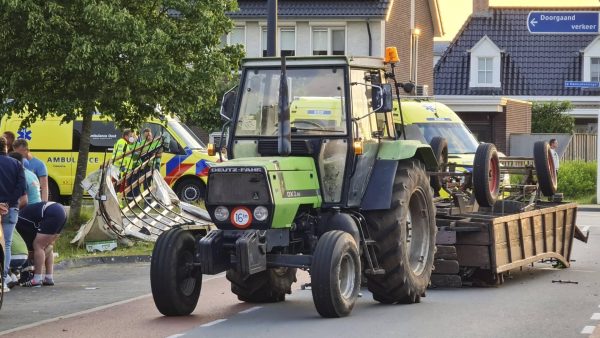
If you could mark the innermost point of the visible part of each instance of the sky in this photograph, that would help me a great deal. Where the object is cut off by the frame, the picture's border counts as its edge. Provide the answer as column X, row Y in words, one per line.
column 455, row 12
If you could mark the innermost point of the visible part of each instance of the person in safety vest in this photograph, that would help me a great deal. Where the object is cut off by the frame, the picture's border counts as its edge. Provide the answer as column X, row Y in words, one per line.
column 147, row 147
column 121, row 158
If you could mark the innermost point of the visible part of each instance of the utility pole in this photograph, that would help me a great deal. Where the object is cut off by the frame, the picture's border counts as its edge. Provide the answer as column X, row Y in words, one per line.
column 272, row 28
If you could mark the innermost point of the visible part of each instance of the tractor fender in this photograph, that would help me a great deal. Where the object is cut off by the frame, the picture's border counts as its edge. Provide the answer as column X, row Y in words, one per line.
column 378, row 195
column 343, row 222
column 404, row 149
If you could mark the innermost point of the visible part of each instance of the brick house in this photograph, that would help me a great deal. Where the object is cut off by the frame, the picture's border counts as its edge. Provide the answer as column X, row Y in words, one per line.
column 352, row 27
column 494, row 58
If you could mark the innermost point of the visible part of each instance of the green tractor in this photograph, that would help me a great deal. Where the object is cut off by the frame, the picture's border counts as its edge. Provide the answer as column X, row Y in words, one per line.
column 327, row 186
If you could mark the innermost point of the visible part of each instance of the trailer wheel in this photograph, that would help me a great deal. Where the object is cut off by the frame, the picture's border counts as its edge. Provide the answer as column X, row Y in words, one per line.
column 335, row 274
column 405, row 238
column 267, row 286
column 439, row 146
column 486, row 175
column 544, row 168
column 174, row 279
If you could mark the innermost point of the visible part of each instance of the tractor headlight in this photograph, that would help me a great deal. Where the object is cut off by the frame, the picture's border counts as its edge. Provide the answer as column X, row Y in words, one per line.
column 221, row 213
column 261, row 213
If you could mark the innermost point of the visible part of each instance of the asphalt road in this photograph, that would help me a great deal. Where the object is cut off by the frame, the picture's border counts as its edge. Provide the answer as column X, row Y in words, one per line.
column 117, row 303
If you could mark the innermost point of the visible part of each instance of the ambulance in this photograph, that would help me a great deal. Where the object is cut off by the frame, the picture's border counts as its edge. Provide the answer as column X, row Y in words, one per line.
column 184, row 163
column 425, row 119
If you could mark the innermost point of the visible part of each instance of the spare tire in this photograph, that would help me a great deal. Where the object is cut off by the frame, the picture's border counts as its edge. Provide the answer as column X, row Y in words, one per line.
column 486, row 175
column 544, row 168
column 439, row 146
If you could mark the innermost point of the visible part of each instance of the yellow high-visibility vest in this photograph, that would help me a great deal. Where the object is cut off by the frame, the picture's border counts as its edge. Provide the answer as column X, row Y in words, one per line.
column 120, row 148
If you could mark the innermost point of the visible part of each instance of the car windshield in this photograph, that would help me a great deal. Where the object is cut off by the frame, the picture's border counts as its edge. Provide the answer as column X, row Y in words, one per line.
column 460, row 140
column 188, row 137
column 316, row 99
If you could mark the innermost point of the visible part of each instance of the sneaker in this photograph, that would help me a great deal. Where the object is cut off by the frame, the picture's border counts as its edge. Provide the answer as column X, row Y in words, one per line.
column 48, row 282
column 5, row 288
column 32, row 284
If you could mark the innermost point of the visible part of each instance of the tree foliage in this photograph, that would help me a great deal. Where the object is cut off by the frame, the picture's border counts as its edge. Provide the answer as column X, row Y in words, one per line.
column 551, row 117
column 123, row 58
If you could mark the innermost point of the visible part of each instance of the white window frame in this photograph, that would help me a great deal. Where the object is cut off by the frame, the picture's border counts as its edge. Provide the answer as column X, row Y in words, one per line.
column 487, row 63
column 245, row 34
column 485, row 49
column 329, row 37
column 263, row 28
column 592, row 51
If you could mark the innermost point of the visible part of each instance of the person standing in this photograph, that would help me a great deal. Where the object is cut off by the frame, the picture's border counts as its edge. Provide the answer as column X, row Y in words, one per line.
column 33, row 184
column 38, row 167
column 554, row 152
column 120, row 156
column 40, row 224
column 10, row 138
column 12, row 190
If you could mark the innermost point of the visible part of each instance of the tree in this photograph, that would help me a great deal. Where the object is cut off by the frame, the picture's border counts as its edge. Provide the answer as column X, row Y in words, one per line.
column 123, row 58
column 210, row 118
column 551, row 117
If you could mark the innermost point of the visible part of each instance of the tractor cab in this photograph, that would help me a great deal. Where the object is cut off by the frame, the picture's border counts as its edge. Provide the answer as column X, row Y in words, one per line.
column 332, row 103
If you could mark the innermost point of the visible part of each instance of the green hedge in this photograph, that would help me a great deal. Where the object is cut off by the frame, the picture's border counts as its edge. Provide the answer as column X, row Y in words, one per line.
column 577, row 179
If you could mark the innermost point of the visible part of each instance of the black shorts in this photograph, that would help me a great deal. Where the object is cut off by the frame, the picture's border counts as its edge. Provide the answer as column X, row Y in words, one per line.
column 37, row 218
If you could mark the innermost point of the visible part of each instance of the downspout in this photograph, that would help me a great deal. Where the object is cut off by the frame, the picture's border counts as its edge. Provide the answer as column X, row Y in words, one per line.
column 370, row 38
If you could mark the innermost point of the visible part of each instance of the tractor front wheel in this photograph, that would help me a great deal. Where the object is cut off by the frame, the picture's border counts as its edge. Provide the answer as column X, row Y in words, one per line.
column 335, row 274
column 174, row 278
column 267, row 286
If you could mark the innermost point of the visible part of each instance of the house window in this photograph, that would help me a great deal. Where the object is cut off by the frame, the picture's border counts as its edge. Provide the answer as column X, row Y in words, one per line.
column 595, row 69
column 485, row 70
column 287, row 41
column 329, row 41
column 235, row 37
column 485, row 62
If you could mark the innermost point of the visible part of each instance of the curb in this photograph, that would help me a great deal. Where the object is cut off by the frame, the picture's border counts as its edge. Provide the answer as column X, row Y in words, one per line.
column 88, row 261
column 588, row 209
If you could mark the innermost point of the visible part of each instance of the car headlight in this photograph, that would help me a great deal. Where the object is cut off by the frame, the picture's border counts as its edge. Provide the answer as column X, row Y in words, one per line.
column 261, row 213
column 221, row 213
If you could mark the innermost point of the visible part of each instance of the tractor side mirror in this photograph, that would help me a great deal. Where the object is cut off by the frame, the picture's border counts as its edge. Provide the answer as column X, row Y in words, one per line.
column 228, row 104
column 381, row 98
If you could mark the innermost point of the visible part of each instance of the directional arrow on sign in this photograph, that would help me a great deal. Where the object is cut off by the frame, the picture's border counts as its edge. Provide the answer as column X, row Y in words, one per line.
column 533, row 22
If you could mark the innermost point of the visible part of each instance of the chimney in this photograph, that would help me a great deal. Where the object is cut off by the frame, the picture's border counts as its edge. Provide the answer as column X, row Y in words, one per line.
column 481, row 6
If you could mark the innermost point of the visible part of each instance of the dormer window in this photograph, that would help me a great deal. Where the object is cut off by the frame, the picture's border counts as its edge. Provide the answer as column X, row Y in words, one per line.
column 591, row 62
column 485, row 64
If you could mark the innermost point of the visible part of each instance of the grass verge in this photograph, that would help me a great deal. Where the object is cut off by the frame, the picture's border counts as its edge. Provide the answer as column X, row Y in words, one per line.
column 67, row 251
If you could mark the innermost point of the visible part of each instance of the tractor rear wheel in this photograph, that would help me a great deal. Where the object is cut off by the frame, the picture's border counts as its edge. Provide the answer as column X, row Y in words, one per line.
column 335, row 274
column 405, row 238
column 439, row 146
column 486, row 175
column 544, row 168
column 267, row 286
column 174, row 279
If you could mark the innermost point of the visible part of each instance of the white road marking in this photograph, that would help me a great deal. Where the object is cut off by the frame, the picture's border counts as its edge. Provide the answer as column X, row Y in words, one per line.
column 251, row 309
column 596, row 316
column 98, row 308
column 588, row 330
column 214, row 322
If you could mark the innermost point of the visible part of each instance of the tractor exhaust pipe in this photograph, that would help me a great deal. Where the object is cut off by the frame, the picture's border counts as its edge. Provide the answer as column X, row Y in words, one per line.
column 272, row 28
column 284, row 139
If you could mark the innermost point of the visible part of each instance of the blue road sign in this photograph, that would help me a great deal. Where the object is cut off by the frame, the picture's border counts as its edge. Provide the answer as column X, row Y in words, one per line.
column 581, row 84
column 563, row 22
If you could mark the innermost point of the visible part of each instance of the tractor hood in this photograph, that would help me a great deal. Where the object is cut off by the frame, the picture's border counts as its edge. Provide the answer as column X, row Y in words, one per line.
column 280, row 184
column 271, row 163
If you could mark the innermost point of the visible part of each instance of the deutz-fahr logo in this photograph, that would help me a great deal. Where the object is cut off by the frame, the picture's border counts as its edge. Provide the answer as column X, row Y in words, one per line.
column 236, row 170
